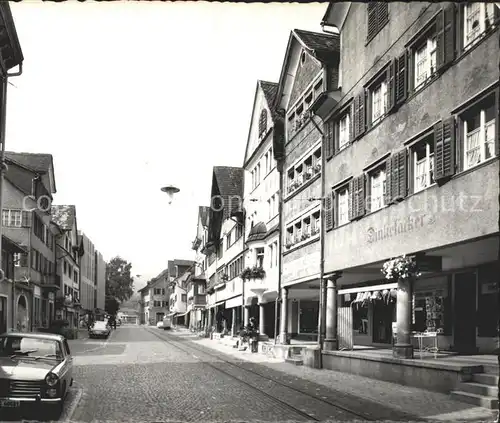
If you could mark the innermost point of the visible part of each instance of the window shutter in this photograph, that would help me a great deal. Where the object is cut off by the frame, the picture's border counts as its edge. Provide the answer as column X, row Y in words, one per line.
column 372, row 20
column 402, row 159
column 24, row 260
column 401, row 84
column 361, row 114
column 329, row 140
column 361, row 196
column 388, row 179
column 355, row 118
column 26, row 219
column 444, row 149
column 449, row 147
column 352, row 198
column 445, row 36
column 329, row 220
column 391, row 85
column 382, row 14
column 438, row 151
column 351, row 126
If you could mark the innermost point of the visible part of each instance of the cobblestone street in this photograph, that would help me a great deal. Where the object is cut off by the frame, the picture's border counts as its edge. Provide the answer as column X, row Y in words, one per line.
column 148, row 375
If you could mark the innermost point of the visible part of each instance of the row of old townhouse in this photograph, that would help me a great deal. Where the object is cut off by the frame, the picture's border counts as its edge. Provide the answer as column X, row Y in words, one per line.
column 379, row 139
column 166, row 294
column 51, row 268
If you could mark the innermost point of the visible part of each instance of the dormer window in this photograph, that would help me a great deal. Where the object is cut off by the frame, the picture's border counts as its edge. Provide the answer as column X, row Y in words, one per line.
column 303, row 58
column 262, row 122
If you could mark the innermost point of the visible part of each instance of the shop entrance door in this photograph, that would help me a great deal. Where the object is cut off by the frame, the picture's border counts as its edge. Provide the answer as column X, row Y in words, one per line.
column 464, row 332
column 383, row 316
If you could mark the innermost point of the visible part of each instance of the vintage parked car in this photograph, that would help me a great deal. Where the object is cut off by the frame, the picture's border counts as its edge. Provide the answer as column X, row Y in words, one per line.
column 34, row 368
column 99, row 329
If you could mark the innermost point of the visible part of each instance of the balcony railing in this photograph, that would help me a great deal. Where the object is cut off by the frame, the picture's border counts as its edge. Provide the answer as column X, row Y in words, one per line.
column 200, row 299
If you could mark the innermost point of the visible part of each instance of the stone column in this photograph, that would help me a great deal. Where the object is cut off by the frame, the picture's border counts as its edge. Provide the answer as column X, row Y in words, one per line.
column 246, row 317
column 233, row 322
column 261, row 319
column 331, row 340
column 403, row 347
column 284, row 316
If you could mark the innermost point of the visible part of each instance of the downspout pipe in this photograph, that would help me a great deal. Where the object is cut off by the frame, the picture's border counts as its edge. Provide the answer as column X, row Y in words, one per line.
column 322, row 309
column 277, row 309
column 3, row 121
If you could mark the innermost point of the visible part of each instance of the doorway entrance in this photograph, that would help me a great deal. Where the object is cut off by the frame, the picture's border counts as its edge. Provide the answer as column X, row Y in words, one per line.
column 464, row 332
column 383, row 316
column 22, row 314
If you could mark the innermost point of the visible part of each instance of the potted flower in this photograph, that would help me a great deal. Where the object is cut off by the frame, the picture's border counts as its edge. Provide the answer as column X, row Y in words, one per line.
column 288, row 245
column 400, row 268
column 258, row 272
column 317, row 168
column 246, row 274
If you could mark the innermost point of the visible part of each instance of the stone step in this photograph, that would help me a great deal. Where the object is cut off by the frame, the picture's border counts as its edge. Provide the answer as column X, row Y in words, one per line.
column 474, row 399
column 479, row 389
column 296, row 361
column 485, row 379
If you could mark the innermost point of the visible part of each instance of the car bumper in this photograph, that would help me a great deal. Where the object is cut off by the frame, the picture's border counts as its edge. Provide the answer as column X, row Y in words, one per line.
column 30, row 399
column 98, row 333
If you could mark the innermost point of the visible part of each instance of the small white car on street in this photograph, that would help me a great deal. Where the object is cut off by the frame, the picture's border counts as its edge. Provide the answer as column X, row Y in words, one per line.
column 99, row 329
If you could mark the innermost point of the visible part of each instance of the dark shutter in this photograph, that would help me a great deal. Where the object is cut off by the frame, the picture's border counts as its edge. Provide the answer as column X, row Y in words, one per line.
column 329, row 219
column 361, row 196
column 355, row 118
column 23, row 262
column 372, row 20
column 391, row 85
column 361, row 114
column 401, row 84
column 438, row 151
column 445, row 36
column 449, row 147
column 26, row 219
column 329, row 139
column 402, row 161
column 388, row 179
column 352, row 198
column 444, row 149
column 382, row 14
column 351, row 124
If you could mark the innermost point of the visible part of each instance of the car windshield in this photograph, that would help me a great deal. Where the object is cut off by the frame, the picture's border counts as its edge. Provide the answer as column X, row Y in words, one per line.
column 19, row 346
column 100, row 325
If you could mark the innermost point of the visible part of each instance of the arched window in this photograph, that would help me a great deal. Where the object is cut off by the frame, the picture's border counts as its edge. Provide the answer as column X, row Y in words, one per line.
column 263, row 122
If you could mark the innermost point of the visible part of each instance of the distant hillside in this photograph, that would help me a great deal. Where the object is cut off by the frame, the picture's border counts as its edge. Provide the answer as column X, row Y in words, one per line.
column 132, row 303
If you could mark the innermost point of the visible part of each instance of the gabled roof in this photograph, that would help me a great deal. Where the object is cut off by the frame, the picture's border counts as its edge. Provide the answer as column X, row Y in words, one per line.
column 318, row 42
column 64, row 216
column 39, row 162
column 203, row 212
column 226, row 198
column 228, row 183
column 269, row 90
column 20, row 176
column 323, row 47
column 12, row 52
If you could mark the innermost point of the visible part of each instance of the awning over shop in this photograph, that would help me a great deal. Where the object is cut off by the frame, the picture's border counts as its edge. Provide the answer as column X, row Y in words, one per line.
column 217, row 304
column 13, row 246
column 219, row 286
column 366, row 293
column 234, row 302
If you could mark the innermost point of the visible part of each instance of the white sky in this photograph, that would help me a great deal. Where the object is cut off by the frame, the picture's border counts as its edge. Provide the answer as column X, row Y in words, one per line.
column 131, row 96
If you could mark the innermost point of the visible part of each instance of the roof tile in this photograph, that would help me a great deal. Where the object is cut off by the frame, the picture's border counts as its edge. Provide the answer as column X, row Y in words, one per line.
column 64, row 216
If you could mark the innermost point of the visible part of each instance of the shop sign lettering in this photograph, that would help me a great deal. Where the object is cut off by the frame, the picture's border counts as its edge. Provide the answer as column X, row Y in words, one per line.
column 398, row 227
